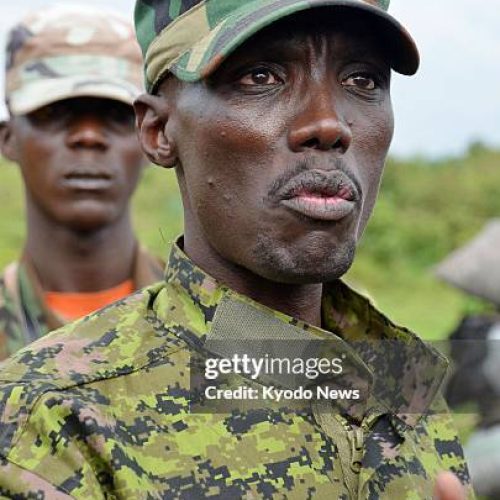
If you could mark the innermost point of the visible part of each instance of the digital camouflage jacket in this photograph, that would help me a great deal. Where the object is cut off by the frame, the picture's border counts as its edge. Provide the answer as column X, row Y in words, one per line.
column 24, row 316
column 100, row 408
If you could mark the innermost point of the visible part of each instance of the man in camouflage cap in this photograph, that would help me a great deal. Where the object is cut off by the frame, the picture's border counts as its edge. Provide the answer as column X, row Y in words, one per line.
column 276, row 115
column 69, row 91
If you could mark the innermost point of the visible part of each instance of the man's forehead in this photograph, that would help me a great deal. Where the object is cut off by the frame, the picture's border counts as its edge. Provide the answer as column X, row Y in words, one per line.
column 345, row 34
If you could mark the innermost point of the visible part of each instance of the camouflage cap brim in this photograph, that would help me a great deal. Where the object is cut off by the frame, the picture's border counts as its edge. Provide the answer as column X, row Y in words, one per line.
column 39, row 93
column 192, row 47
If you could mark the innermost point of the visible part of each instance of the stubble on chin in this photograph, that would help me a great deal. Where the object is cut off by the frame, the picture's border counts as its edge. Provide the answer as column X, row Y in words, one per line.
column 295, row 265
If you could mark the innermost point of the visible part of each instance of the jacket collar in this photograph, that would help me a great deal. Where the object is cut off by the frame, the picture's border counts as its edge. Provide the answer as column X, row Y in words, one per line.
column 404, row 373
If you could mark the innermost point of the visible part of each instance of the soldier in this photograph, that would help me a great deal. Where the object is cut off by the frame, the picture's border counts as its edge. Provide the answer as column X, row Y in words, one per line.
column 69, row 92
column 277, row 118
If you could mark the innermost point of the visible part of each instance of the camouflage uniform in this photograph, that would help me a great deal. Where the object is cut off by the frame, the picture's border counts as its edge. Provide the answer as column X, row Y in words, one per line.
column 24, row 316
column 100, row 409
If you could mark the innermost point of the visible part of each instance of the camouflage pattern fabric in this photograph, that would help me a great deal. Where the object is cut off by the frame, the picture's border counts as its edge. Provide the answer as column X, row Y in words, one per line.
column 191, row 38
column 100, row 409
column 24, row 316
column 51, row 57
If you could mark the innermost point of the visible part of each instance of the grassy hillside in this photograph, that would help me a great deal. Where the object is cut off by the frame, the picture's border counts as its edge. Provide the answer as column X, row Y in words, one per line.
column 424, row 211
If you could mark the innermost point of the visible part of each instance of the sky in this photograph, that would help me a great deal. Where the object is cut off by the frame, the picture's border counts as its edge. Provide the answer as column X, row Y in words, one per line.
column 453, row 100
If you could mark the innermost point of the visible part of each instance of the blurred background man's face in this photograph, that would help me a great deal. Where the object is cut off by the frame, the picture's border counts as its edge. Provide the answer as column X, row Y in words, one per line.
column 80, row 160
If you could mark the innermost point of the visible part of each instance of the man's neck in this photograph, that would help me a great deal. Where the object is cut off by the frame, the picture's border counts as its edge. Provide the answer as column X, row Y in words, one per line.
column 299, row 301
column 67, row 260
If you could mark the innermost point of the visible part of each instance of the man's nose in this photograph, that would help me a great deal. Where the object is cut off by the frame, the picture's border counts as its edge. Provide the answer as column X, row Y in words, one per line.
column 87, row 131
column 319, row 125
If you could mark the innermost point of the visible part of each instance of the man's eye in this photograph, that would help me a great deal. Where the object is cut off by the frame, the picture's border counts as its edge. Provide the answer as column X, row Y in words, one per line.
column 46, row 114
column 260, row 76
column 360, row 81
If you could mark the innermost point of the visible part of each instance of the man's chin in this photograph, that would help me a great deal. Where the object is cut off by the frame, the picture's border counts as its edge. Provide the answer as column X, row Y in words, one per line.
column 306, row 268
column 91, row 221
column 307, row 276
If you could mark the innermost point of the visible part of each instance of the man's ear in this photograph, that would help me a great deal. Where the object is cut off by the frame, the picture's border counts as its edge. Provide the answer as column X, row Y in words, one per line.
column 7, row 141
column 151, row 120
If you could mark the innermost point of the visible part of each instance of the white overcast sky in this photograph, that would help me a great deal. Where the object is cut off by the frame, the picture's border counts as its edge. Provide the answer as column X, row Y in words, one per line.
column 453, row 100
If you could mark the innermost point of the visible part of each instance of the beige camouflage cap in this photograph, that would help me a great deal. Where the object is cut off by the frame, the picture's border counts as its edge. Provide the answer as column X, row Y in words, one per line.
column 71, row 51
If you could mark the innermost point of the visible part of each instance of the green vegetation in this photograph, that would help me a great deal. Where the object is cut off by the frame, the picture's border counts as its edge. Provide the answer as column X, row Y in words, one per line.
column 425, row 211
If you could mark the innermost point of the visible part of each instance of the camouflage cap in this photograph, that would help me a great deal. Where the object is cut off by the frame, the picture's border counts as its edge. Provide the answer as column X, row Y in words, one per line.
column 190, row 38
column 70, row 51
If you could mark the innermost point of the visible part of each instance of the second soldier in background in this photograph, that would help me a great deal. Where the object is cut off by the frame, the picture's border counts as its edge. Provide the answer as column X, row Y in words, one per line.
column 69, row 92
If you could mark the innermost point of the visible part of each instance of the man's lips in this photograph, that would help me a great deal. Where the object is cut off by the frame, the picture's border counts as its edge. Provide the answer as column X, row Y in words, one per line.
column 316, row 207
column 321, row 195
column 88, row 181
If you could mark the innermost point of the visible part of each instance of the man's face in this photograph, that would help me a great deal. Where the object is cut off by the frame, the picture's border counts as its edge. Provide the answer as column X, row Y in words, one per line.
column 80, row 160
column 280, row 153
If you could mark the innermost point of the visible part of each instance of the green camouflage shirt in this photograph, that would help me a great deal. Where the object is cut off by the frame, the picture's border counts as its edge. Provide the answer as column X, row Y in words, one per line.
column 24, row 315
column 100, row 408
